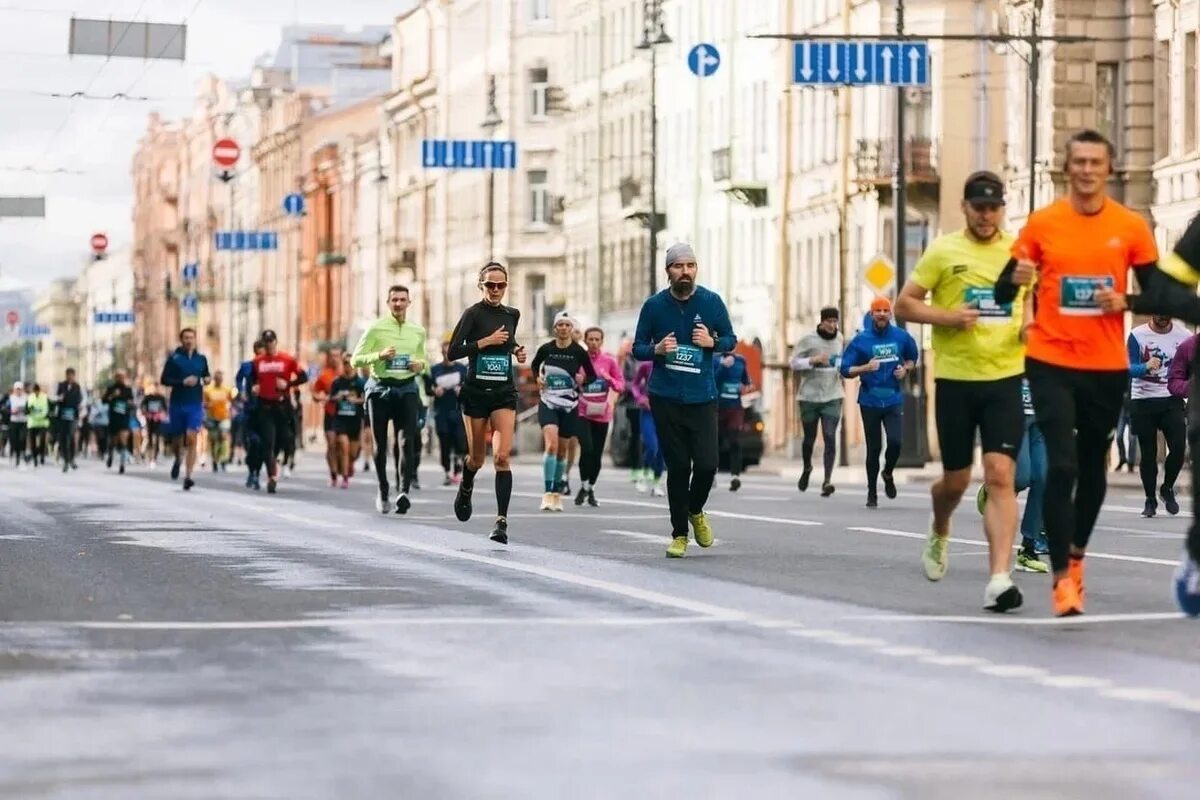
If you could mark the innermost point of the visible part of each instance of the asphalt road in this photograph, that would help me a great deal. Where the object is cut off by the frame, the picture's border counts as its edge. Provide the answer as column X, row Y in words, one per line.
column 224, row 643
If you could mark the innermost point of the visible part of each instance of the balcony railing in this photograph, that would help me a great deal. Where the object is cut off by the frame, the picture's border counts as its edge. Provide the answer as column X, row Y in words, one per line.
column 874, row 160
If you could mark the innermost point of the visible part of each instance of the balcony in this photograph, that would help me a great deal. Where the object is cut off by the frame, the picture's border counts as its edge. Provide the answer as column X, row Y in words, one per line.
column 874, row 160
column 330, row 254
column 726, row 179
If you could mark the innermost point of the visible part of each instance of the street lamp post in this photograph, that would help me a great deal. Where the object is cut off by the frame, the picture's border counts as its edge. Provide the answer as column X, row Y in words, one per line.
column 653, row 34
column 491, row 121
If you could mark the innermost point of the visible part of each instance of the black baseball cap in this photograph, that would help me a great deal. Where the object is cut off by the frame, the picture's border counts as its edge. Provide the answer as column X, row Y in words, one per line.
column 984, row 187
column 268, row 335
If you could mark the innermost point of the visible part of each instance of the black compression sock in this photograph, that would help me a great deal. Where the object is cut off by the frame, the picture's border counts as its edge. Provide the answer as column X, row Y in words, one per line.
column 504, row 484
column 468, row 478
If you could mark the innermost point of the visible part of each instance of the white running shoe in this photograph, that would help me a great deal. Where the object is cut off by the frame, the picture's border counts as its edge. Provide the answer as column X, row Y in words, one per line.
column 557, row 502
column 547, row 502
column 642, row 486
column 658, row 490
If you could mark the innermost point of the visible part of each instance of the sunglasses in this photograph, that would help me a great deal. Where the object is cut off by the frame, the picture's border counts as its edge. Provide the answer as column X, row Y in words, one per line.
column 494, row 286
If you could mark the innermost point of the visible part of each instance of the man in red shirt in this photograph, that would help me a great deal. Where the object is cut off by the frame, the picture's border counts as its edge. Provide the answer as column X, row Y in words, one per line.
column 275, row 374
column 320, row 395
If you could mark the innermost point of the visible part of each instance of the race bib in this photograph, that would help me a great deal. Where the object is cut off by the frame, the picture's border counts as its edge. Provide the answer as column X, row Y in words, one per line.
column 399, row 362
column 598, row 386
column 883, row 353
column 1077, row 294
column 686, row 358
column 731, row 390
column 983, row 299
column 154, row 406
column 118, row 407
column 345, row 408
column 492, row 367
column 67, row 414
column 1026, row 397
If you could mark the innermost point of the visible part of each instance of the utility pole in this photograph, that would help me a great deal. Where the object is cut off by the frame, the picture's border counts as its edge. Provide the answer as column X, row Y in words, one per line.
column 653, row 34
column 491, row 121
column 1034, row 77
column 900, row 187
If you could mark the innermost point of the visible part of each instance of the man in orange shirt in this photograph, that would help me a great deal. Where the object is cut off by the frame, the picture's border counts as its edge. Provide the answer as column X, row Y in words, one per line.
column 320, row 395
column 1076, row 361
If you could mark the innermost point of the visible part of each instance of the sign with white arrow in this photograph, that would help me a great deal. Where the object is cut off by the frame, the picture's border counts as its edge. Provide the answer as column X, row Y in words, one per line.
column 860, row 63
column 703, row 60
column 468, row 154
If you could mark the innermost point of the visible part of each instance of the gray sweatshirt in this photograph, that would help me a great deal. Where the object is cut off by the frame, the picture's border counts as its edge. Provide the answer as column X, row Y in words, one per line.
column 818, row 384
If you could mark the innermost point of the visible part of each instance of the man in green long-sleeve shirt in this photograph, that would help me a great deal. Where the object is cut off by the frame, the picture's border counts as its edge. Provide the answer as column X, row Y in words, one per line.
column 394, row 350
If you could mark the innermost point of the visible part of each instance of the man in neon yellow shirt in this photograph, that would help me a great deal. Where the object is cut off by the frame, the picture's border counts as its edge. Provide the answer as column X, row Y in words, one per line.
column 394, row 350
column 979, row 361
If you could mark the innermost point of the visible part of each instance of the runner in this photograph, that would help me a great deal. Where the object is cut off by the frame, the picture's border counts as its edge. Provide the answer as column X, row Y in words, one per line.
column 573, row 448
column 651, row 455
column 186, row 373
column 447, row 380
column 732, row 378
column 596, row 401
column 98, row 417
column 348, row 392
column 978, row 363
column 557, row 365
column 37, row 409
column 394, row 349
column 69, row 397
column 275, row 374
column 154, row 407
column 1076, row 359
column 18, row 419
column 119, row 399
column 243, row 382
column 1152, row 409
column 486, row 336
column 820, row 396
column 628, row 406
column 881, row 356
column 321, row 396
column 680, row 329
column 218, row 404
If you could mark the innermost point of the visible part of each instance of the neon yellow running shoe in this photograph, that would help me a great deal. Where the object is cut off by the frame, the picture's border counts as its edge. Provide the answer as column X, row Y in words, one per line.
column 981, row 499
column 701, row 528
column 936, row 557
column 677, row 548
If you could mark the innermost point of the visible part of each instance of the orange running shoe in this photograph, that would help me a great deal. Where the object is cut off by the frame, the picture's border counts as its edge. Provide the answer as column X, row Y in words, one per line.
column 1075, row 573
column 1066, row 599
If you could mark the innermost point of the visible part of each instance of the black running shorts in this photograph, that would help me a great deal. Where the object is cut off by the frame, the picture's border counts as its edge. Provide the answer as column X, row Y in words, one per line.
column 993, row 408
column 566, row 420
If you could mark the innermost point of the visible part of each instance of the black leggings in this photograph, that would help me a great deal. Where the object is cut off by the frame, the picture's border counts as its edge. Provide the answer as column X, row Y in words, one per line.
column 829, row 426
column 452, row 441
column 633, row 456
column 37, row 445
column 66, row 440
column 592, row 436
column 687, row 435
column 1193, row 437
column 876, row 422
column 16, row 439
column 1148, row 417
column 1077, row 411
column 274, row 429
column 402, row 409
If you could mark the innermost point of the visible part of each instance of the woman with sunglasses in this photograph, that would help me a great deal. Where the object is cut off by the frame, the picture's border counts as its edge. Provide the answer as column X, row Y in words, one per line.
column 486, row 336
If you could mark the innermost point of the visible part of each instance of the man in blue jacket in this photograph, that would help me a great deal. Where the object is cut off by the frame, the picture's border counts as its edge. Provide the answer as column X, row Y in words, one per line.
column 880, row 356
column 252, row 440
column 680, row 329
column 186, row 372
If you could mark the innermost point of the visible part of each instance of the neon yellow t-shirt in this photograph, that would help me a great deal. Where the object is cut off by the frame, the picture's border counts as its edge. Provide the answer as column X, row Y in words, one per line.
column 957, row 270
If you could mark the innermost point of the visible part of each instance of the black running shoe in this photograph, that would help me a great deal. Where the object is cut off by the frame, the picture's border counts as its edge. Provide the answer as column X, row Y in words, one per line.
column 802, row 484
column 270, row 486
column 735, row 484
column 1150, row 510
column 889, row 485
column 872, row 500
column 827, row 489
column 216, row 466
column 566, row 488
column 591, row 498
column 581, row 495
column 446, row 481
column 403, row 504
column 416, row 484
column 500, row 531
column 121, row 469
column 188, row 483
column 175, row 470
column 462, row 504
column 1167, row 493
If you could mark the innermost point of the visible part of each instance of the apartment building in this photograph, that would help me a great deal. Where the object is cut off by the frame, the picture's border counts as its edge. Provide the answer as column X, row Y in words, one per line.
column 104, row 287
column 59, row 307
column 1176, row 176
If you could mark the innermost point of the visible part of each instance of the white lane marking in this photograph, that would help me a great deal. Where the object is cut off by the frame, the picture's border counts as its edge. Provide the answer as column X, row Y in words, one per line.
column 1166, row 562
column 954, row 660
column 905, row 651
column 711, row 512
column 1086, row 619
column 859, row 641
column 902, row 534
column 366, row 622
column 1073, row 682
column 1143, row 694
column 1011, row 671
column 645, row 537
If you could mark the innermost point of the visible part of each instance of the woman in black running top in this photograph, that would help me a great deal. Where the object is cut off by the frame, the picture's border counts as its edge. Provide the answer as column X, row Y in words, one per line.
column 486, row 335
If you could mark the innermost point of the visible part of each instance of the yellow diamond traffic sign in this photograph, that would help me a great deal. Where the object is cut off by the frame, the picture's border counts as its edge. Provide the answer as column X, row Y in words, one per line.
column 879, row 273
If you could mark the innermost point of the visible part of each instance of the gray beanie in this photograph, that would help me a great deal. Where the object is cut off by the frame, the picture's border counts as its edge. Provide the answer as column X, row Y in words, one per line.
column 679, row 252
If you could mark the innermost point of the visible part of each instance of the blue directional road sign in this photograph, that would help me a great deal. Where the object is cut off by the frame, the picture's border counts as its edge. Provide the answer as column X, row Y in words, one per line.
column 860, row 63
column 191, row 272
column 114, row 317
column 703, row 60
column 245, row 240
column 189, row 303
column 468, row 154
column 34, row 331
column 293, row 204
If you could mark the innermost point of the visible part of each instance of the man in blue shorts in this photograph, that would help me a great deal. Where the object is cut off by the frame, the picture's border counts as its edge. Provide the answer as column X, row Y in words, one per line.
column 186, row 373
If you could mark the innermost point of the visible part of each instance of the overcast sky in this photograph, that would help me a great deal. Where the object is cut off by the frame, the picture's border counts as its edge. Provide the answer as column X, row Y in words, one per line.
column 98, row 137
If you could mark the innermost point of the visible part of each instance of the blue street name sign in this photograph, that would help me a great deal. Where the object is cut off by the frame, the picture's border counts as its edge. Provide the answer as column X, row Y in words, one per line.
column 189, row 303
column 468, row 154
column 293, row 204
column 857, row 63
column 34, row 331
column 703, row 60
column 245, row 240
column 191, row 272
column 114, row 317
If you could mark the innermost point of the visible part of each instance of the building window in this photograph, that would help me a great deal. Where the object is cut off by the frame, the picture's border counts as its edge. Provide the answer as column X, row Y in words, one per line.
column 1108, row 103
column 539, row 10
column 539, row 196
column 1189, row 92
column 539, row 82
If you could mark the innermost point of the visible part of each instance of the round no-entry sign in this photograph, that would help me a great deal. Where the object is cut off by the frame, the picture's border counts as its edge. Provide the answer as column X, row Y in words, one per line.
column 226, row 153
column 99, row 242
column 12, row 318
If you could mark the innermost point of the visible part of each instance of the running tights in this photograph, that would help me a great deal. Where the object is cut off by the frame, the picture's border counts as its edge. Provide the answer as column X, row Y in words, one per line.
column 1148, row 417
column 1077, row 412
column 592, row 436
column 687, row 435
column 1193, row 436
column 37, row 445
column 877, row 422
column 16, row 438
column 274, row 427
column 401, row 409
column 829, row 426
column 452, row 445
column 66, row 440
